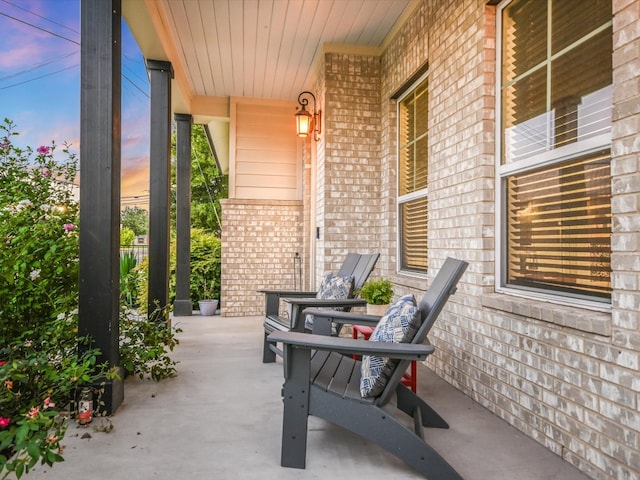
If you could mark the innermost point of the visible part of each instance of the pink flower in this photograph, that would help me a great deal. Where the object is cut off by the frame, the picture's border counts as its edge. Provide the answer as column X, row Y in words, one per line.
column 48, row 403
column 1, row 363
column 43, row 150
column 33, row 413
column 4, row 422
column 68, row 227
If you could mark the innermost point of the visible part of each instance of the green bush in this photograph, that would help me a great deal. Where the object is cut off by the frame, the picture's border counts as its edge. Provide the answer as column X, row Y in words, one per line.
column 144, row 345
column 128, row 279
column 127, row 236
column 205, row 265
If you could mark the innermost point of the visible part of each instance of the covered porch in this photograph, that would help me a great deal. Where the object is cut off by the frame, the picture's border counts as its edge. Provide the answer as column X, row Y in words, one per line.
column 556, row 356
column 221, row 417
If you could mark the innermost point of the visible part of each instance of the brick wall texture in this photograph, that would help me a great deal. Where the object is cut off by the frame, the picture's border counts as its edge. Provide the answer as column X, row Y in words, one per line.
column 567, row 376
column 259, row 242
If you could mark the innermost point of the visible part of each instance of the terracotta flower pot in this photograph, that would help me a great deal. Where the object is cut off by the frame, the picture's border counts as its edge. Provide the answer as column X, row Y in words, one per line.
column 378, row 310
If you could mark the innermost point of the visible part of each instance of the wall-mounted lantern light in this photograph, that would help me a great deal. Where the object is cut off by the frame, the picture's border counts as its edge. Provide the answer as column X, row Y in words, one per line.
column 307, row 122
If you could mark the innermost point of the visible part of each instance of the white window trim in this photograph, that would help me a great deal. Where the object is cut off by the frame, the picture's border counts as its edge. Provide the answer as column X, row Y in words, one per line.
column 422, row 193
column 551, row 157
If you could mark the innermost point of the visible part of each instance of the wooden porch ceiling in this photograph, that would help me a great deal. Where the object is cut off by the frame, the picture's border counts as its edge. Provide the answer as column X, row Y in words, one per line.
column 255, row 48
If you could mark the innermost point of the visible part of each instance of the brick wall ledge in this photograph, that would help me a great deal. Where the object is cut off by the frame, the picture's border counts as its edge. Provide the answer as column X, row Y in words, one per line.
column 255, row 201
column 581, row 319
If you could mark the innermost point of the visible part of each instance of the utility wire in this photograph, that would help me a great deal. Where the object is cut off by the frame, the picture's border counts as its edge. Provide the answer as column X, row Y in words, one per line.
column 64, row 70
column 59, row 36
column 39, row 16
column 206, row 186
column 35, row 67
column 134, row 61
column 40, row 28
column 39, row 78
column 136, row 86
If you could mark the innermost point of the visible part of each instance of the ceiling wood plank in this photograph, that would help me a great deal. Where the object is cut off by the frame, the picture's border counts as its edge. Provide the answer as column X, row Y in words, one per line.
column 261, row 49
column 277, row 22
column 221, row 17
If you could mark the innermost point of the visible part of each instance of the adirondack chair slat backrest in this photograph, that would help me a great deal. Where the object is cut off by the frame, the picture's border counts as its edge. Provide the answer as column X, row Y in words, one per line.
column 349, row 264
column 432, row 303
column 363, row 269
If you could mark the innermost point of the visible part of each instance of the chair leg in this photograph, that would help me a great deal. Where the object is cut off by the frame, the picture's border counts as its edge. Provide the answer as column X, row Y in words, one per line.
column 295, row 393
column 268, row 355
column 408, row 401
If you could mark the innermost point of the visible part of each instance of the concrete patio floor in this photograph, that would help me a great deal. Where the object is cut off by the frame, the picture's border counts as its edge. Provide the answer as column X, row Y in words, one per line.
column 220, row 418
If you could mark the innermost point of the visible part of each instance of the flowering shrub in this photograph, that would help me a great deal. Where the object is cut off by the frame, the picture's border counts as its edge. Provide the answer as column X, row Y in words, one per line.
column 38, row 219
column 39, row 379
column 41, row 364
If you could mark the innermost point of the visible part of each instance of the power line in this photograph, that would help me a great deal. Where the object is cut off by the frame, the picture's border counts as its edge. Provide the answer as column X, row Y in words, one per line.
column 40, row 28
column 39, row 16
column 135, row 86
column 55, row 35
column 40, row 77
column 125, row 58
column 60, row 71
column 206, row 186
column 35, row 67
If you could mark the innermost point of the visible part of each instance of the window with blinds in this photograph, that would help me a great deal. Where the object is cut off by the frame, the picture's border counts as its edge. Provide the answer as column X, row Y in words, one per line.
column 559, row 234
column 556, row 88
column 412, row 178
column 555, row 107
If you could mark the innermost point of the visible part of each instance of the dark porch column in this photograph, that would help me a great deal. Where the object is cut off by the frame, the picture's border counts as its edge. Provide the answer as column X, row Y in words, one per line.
column 182, row 304
column 100, row 94
column 160, row 75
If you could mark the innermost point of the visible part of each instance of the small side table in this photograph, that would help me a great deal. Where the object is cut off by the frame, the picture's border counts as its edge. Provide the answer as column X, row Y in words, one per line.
column 410, row 378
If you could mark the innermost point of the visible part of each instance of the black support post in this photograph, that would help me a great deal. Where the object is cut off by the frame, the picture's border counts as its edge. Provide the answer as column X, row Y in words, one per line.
column 100, row 99
column 182, row 305
column 160, row 74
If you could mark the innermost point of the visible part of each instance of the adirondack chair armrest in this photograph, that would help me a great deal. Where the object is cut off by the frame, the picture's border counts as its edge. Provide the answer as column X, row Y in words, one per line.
column 324, row 319
column 349, row 346
column 288, row 293
column 326, row 302
column 272, row 299
column 298, row 305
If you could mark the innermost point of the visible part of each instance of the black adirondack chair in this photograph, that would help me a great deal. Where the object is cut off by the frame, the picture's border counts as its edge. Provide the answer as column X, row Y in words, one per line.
column 323, row 379
column 357, row 265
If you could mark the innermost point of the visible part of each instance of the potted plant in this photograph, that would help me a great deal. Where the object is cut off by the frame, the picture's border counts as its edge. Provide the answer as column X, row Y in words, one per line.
column 378, row 293
column 207, row 304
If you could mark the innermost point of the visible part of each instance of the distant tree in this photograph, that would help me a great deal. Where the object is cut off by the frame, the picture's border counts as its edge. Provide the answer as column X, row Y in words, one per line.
column 208, row 184
column 135, row 218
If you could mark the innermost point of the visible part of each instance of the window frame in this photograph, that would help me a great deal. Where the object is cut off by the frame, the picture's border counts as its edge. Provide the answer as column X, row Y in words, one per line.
column 504, row 170
column 418, row 194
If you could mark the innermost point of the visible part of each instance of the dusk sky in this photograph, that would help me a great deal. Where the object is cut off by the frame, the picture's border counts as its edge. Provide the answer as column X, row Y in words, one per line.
column 40, row 85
